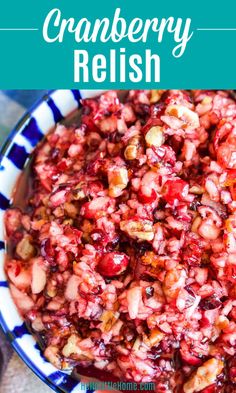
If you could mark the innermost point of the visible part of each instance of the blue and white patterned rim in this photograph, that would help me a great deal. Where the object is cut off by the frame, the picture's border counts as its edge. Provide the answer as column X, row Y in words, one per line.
column 13, row 157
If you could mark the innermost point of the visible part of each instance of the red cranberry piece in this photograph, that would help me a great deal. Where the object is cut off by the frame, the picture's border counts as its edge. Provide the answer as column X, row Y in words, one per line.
column 157, row 110
column 231, row 176
column 95, row 188
column 232, row 370
column 192, row 250
column 176, row 189
column 210, row 303
column 56, row 154
column 165, row 154
column 89, row 295
column 144, row 198
column 62, row 166
column 90, row 209
column 112, row 264
column 47, row 251
column 178, row 97
column 74, row 234
column 221, row 134
column 225, row 155
column 13, row 219
column 187, row 356
column 169, row 154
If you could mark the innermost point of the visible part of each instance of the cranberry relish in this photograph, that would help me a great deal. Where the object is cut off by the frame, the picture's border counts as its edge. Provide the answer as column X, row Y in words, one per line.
column 124, row 256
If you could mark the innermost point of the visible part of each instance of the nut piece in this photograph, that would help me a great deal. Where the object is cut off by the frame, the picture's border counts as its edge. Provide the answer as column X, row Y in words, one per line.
column 204, row 376
column 24, row 248
column 131, row 152
column 155, row 137
column 155, row 337
column 72, row 347
column 52, row 355
column 108, row 319
column 198, row 190
column 185, row 114
column 150, row 258
column 173, row 282
column 118, row 180
column 78, row 192
column 196, row 224
column 138, row 230
column 156, row 95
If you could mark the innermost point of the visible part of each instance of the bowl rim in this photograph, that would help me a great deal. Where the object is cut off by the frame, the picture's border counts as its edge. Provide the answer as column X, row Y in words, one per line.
column 62, row 382
column 23, row 119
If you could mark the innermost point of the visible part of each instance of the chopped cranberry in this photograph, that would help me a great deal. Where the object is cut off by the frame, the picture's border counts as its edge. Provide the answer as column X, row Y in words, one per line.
column 153, row 122
column 190, row 290
column 176, row 97
column 55, row 154
column 192, row 249
column 144, row 198
column 73, row 234
column 164, row 154
column 221, row 134
column 13, row 219
column 112, row 261
column 232, row 370
column 187, row 356
column 62, row 166
column 112, row 264
column 95, row 207
column 226, row 155
column 210, row 303
column 158, row 110
column 175, row 190
column 47, row 251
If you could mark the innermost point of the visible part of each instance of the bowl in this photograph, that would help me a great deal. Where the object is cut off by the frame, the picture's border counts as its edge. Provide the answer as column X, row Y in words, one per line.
column 30, row 130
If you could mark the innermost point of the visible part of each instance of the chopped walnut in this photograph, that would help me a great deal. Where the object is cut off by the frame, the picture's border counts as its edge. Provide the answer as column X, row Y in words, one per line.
column 108, row 319
column 118, row 180
column 190, row 118
column 150, row 258
column 24, row 249
column 78, row 192
column 156, row 95
column 154, row 337
column 196, row 223
column 204, row 376
column 173, row 282
column 196, row 189
column 133, row 147
column 52, row 355
column 141, row 230
column 131, row 152
column 70, row 209
column 72, row 348
column 155, row 137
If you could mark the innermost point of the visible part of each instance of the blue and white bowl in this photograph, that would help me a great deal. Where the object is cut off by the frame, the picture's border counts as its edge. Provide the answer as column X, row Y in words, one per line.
column 30, row 130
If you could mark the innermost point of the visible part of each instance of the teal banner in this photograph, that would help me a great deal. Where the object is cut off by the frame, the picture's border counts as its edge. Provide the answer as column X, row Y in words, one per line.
column 117, row 44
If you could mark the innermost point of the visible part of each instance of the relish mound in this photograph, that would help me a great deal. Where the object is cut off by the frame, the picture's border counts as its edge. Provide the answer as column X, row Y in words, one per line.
column 123, row 257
